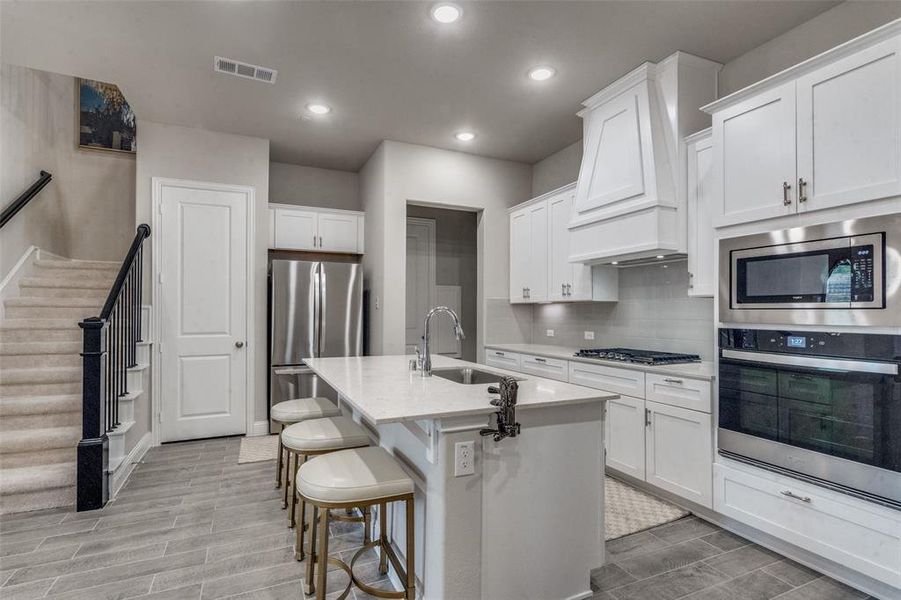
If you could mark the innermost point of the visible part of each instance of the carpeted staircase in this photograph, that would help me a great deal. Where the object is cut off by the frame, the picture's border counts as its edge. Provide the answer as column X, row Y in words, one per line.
column 40, row 380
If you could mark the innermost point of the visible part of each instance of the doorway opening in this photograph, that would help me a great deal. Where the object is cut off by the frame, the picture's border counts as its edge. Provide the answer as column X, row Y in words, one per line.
column 442, row 270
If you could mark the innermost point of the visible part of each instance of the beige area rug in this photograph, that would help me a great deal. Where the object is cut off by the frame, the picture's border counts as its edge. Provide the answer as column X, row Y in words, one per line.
column 630, row 510
column 258, row 448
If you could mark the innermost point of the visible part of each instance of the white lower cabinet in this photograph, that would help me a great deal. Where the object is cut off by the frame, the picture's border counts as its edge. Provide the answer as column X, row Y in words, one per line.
column 624, row 436
column 677, row 442
column 551, row 368
column 860, row 535
column 503, row 359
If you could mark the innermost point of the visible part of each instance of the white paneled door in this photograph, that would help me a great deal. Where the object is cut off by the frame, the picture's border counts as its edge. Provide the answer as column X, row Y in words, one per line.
column 202, row 290
column 421, row 276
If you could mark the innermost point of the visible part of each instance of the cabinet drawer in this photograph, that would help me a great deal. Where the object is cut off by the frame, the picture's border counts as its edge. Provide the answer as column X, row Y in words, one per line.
column 693, row 394
column 503, row 359
column 610, row 379
column 855, row 533
column 552, row 368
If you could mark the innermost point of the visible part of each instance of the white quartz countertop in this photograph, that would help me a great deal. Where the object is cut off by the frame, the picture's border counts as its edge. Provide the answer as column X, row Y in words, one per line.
column 384, row 390
column 702, row 370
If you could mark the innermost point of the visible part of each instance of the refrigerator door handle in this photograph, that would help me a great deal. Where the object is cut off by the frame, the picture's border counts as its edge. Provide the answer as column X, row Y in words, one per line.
column 320, row 308
column 317, row 310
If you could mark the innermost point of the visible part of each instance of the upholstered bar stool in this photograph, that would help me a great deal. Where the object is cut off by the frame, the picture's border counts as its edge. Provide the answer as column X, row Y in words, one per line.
column 311, row 438
column 359, row 478
column 294, row 411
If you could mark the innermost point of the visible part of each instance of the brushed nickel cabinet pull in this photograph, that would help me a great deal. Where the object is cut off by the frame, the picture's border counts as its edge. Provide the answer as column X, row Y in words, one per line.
column 541, row 360
column 795, row 496
column 786, row 199
column 647, row 417
column 802, row 190
column 668, row 380
column 314, row 241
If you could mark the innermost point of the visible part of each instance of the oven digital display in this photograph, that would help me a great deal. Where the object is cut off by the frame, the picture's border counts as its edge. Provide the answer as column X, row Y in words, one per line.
column 796, row 341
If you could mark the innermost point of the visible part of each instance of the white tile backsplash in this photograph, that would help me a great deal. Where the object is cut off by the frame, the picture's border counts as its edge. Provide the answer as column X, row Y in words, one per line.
column 654, row 312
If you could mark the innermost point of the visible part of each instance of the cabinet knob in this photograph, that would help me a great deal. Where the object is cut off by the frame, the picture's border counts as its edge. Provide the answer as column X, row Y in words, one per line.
column 239, row 344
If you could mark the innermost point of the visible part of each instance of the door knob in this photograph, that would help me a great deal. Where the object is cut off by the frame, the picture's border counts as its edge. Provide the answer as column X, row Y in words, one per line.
column 239, row 344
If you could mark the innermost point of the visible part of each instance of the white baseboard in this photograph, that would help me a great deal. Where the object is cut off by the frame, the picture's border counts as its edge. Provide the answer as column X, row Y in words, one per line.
column 259, row 428
column 9, row 287
column 120, row 475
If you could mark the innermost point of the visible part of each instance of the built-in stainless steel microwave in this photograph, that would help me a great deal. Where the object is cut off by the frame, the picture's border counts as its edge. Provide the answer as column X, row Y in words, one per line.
column 846, row 273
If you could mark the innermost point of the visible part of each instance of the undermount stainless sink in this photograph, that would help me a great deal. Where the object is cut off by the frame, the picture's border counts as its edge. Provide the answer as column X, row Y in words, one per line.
column 467, row 376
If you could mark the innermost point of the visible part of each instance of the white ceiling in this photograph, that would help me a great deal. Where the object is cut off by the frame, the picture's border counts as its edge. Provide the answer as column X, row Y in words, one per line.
column 387, row 70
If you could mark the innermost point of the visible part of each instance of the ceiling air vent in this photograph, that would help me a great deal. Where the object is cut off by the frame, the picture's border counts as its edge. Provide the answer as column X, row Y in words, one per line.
column 244, row 70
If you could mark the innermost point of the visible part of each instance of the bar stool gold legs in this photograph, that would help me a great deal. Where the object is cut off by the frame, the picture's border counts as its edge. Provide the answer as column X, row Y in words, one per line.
column 278, row 462
column 318, row 558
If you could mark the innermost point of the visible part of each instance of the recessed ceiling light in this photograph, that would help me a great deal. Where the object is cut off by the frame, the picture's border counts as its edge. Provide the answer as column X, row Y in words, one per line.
column 319, row 109
column 615, row 262
column 659, row 256
column 465, row 136
column 542, row 73
column 446, row 13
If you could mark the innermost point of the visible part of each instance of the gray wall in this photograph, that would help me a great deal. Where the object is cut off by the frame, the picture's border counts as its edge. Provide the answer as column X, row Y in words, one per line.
column 654, row 312
column 399, row 173
column 311, row 186
column 827, row 30
column 557, row 170
column 456, row 262
column 200, row 155
column 87, row 210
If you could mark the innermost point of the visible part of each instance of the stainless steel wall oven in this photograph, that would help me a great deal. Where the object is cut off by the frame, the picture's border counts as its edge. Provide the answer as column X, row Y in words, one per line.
column 824, row 406
column 846, row 273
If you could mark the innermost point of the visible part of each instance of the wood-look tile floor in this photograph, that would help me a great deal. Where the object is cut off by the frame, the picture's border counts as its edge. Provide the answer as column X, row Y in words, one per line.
column 192, row 524
column 692, row 559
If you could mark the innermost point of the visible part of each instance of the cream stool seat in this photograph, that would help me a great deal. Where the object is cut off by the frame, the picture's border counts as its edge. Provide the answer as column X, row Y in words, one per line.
column 300, row 409
column 356, row 478
column 353, row 476
column 320, row 435
column 294, row 411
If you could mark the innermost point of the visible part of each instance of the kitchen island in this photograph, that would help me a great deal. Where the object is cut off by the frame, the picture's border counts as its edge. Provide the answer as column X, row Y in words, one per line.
column 528, row 521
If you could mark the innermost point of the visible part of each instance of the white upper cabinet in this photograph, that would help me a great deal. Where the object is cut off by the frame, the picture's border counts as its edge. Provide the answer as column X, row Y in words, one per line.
column 567, row 281
column 630, row 200
column 849, row 119
column 338, row 232
column 700, row 208
column 315, row 229
column 755, row 169
column 823, row 134
column 295, row 229
column 540, row 269
column 529, row 253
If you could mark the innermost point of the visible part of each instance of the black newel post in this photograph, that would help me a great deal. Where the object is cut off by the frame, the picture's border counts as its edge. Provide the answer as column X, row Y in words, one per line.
column 93, row 449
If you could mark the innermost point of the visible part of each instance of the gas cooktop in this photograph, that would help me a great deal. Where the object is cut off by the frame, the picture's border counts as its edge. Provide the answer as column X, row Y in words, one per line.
column 644, row 357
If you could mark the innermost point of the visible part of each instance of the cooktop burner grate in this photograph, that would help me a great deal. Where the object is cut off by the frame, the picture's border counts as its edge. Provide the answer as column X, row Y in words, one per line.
column 647, row 357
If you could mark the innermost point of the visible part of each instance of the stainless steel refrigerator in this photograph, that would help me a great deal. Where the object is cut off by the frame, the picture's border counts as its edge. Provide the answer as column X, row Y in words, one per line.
column 315, row 310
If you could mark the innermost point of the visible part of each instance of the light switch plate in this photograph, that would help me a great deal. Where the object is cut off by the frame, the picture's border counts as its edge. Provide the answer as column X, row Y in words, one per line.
column 589, row 335
column 464, row 459
column 550, row 333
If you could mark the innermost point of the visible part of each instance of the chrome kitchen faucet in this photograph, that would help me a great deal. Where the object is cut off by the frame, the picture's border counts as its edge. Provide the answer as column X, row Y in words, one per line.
column 425, row 368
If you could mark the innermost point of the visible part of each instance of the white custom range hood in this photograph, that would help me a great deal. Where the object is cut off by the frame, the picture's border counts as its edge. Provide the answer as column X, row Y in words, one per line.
column 630, row 198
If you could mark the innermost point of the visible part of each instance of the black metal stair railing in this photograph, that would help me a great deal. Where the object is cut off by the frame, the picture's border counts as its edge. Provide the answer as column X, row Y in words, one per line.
column 110, row 349
column 24, row 198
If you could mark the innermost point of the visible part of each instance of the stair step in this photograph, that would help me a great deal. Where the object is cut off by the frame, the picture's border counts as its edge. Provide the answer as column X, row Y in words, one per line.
column 17, row 460
column 97, row 294
column 39, row 361
column 38, row 440
column 69, row 275
column 49, row 301
column 99, row 265
column 53, row 375
column 39, row 405
column 10, row 324
column 74, row 314
column 40, row 330
column 44, row 421
column 55, row 282
column 33, row 479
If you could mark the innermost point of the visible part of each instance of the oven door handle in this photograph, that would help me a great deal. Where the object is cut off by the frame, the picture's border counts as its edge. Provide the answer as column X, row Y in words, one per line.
column 814, row 362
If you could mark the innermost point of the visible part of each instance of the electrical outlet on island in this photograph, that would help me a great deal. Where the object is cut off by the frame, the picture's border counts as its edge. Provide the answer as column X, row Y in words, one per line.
column 589, row 335
column 549, row 333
